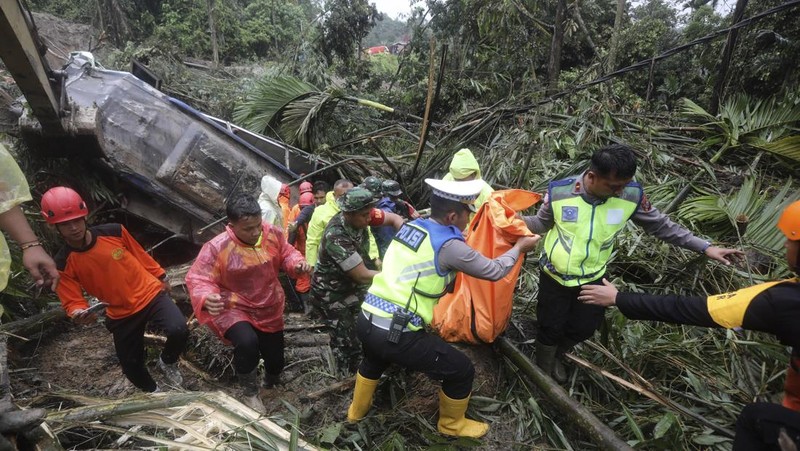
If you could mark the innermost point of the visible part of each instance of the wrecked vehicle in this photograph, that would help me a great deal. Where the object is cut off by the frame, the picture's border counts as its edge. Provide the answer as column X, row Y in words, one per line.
column 176, row 165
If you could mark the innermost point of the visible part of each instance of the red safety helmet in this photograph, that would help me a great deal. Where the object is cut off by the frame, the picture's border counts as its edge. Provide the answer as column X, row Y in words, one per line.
column 306, row 199
column 62, row 204
column 789, row 223
column 306, row 187
column 285, row 191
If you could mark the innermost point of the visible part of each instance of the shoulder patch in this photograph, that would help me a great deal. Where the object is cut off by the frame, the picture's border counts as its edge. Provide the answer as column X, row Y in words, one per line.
column 561, row 189
column 410, row 237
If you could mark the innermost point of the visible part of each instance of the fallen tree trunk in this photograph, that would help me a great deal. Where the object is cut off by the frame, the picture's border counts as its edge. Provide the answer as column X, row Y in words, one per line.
column 600, row 434
column 115, row 408
column 30, row 322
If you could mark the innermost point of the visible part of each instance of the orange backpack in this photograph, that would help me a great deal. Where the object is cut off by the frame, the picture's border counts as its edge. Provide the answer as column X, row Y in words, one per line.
column 477, row 311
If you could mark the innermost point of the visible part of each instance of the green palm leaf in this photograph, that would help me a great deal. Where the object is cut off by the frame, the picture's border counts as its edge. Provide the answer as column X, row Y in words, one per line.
column 759, row 208
column 302, row 119
column 262, row 108
column 788, row 147
column 690, row 109
column 769, row 125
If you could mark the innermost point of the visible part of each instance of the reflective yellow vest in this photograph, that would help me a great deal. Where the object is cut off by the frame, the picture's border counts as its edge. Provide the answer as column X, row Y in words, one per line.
column 411, row 272
column 577, row 248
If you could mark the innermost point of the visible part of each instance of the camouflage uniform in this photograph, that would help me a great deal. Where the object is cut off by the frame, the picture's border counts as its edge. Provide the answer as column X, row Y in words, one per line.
column 334, row 295
column 373, row 184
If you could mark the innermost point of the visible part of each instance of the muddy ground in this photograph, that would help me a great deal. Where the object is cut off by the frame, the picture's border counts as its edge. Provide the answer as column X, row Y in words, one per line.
column 63, row 358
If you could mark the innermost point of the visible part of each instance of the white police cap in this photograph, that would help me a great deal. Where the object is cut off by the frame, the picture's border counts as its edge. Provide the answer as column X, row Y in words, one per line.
column 464, row 192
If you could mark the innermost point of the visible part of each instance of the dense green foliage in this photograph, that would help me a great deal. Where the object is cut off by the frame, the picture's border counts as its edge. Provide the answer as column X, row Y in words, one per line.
column 245, row 29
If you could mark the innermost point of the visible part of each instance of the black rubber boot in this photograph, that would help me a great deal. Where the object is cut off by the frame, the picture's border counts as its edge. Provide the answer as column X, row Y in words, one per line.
column 271, row 380
column 559, row 367
column 545, row 357
column 21, row 420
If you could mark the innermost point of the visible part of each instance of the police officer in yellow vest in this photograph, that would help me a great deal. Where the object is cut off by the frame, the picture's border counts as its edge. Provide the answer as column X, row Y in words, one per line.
column 420, row 267
column 772, row 307
column 582, row 216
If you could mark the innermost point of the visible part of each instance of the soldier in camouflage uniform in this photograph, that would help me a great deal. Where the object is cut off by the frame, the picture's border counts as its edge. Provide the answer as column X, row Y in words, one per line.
column 344, row 271
column 373, row 184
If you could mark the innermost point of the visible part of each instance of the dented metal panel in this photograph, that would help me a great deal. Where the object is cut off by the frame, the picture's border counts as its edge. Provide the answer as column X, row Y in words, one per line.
column 162, row 149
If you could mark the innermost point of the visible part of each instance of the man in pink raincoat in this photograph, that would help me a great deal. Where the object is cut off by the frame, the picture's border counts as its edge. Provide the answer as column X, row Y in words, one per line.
column 234, row 288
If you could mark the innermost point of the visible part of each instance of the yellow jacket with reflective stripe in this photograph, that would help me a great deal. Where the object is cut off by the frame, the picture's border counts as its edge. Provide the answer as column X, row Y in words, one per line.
column 411, row 271
column 580, row 243
column 316, row 228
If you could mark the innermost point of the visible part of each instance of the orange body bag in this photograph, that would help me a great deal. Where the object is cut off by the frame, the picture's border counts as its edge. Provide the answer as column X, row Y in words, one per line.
column 477, row 311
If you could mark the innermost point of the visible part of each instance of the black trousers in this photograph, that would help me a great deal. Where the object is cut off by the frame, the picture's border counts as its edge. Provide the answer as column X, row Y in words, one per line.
column 562, row 317
column 160, row 314
column 417, row 351
column 760, row 424
column 250, row 344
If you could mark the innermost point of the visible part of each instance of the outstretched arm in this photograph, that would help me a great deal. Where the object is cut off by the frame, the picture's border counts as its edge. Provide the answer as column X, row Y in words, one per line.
column 41, row 267
column 457, row 255
column 690, row 310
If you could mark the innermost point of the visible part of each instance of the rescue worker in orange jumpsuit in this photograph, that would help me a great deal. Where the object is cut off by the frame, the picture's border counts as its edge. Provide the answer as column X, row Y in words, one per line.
column 772, row 307
column 297, row 238
column 283, row 200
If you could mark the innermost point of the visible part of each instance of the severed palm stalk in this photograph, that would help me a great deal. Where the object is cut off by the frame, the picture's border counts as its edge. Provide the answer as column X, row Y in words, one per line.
column 194, row 421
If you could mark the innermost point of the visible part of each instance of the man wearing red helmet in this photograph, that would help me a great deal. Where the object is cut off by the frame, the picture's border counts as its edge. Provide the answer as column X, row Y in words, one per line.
column 108, row 263
column 772, row 307
column 297, row 231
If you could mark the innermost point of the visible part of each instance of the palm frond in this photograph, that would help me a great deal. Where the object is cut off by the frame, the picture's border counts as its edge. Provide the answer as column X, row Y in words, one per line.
column 764, row 124
column 265, row 102
column 197, row 421
column 302, row 121
column 718, row 214
column 690, row 109
column 788, row 147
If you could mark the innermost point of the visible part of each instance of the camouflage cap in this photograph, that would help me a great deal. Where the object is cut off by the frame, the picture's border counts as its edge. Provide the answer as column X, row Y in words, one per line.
column 391, row 188
column 356, row 199
column 373, row 184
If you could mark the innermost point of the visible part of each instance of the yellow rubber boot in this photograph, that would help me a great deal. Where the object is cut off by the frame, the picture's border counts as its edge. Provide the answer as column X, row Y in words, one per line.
column 452, row 421
column 362, row 398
